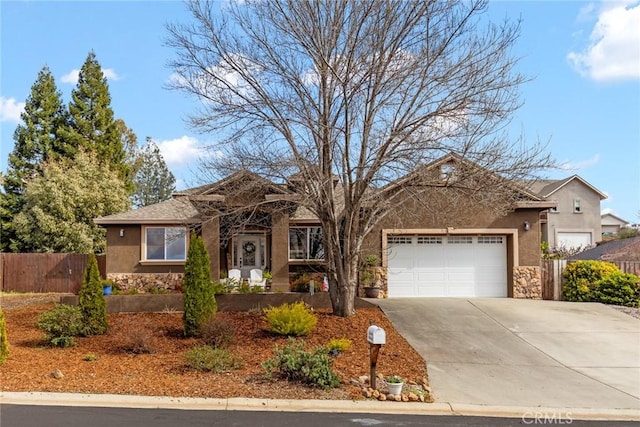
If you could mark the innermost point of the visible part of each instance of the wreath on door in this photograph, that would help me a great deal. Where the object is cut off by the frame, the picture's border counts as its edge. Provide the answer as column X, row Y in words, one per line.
column 249, row 248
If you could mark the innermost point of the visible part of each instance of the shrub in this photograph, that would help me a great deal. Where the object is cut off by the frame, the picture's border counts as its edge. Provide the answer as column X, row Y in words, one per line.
column 301, row 283
column 61, row 324
column 199, row 296
column 91, row 300
column 293, row 363
column 222, row 288
column 339, row 344
column 291, row 319
column 217, row 333
column 617, row 288
column 4, row 342
column 581, row 276
column 207, row 358
column 246, row 288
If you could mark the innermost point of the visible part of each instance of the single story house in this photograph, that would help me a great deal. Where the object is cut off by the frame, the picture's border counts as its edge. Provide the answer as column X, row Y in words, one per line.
column 438, row 242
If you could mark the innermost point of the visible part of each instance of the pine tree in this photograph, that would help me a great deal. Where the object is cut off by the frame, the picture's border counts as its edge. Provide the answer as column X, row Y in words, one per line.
column 199, row 296
column 91, row 122
column 4, row 342
column 153, row 180
column 36, row 141
column 91, row 300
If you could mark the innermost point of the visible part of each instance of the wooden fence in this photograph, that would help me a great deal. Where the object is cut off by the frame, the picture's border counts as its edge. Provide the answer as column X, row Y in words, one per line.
column 44, row 272
column 552, row 280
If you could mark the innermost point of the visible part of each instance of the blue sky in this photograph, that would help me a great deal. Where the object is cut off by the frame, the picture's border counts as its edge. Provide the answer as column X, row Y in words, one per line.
column 584, row 98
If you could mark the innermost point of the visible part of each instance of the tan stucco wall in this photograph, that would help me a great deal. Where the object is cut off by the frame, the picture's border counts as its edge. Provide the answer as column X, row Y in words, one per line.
column 280, row 252
column 124, row 253
column 565, row 220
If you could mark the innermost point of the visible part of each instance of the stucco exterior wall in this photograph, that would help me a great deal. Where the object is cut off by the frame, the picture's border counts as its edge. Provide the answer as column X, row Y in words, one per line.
column 564, row 219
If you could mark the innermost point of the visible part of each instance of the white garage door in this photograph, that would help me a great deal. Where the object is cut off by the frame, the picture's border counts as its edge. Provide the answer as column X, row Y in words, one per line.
column 573, row 240
column 447, row 266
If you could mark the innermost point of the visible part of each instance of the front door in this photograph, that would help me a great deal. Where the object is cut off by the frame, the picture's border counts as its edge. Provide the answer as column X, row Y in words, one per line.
column 248, row 253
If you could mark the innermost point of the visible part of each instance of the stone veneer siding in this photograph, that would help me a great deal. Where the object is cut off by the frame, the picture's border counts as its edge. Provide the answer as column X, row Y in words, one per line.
column 380, row 280
column 147, row 282
column 527, row 283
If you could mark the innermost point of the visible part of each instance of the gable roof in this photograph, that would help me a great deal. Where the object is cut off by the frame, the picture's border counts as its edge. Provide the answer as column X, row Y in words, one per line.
column 546, row 188
column 611, row 250
column 174, row 211
column 617, row 219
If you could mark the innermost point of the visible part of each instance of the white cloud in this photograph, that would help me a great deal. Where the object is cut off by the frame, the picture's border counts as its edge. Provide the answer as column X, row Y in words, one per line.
column 179, row 151
column 613, row 51
column 580, row 164
column 10, row 109
column 72, row 76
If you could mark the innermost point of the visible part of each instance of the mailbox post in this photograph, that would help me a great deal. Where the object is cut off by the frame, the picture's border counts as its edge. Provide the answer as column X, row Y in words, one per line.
column 377, row 338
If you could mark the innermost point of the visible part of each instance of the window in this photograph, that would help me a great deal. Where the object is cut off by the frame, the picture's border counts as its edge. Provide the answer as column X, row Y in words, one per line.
column 305, row 243
column 447, row 172
column 460, row 240
column 490, row 240
column 399, row 240
column 165, row 243
column 576, row 206
column 429, row 240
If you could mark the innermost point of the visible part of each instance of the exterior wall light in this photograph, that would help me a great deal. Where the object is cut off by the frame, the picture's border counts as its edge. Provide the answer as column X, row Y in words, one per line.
column 527, row 226
column 122, row 232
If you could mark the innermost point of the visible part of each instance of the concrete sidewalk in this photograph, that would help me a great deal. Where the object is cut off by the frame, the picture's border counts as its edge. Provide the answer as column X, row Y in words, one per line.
column 524, row 353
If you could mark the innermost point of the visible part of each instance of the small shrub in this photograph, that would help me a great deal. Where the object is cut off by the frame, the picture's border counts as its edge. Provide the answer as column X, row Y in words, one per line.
column 220, row 288
column 208, row 359
column 90, row 357
column 291, row 319
column 293, row 363
column 135, row 337
column 61, row 324
column 580, row 277
column 339, row 344
column 301, row 283
column 217, row 333
column 246, row 288
column 199, row 296
column 617, row 288
column 91, row 300
column 4, row 342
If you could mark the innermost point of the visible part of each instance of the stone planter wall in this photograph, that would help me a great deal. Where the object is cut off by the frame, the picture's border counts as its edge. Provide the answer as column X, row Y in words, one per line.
column 146, row 282
column 527, row 283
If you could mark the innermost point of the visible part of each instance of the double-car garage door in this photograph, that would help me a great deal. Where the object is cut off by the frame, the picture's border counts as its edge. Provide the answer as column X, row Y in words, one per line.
column 447, row 266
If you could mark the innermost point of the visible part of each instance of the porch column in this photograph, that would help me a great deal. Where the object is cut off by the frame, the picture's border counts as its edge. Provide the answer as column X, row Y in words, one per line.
column 280, row 251
column 211, row 237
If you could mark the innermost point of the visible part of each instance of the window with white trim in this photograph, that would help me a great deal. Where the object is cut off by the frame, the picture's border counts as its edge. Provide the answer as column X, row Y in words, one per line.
column 577, row 206
column 165, row 244
column 305, row 243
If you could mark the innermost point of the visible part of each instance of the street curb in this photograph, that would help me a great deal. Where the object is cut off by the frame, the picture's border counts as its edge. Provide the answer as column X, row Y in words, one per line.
column 292, row 405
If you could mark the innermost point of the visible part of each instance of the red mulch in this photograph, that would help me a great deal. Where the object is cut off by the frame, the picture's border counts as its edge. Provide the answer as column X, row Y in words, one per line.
column 165, row 373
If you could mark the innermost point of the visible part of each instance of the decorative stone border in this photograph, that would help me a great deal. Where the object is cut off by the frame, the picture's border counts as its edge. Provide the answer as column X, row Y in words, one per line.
column 146, row 282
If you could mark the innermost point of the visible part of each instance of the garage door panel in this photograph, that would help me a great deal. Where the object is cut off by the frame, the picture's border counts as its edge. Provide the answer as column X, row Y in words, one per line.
column 456, row 266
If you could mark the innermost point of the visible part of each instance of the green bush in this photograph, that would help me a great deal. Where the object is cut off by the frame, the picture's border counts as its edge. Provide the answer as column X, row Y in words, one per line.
column 339, row 344
column 61, row 324
column 220, row 288
column 617, row 288
column 301, row 283
column 217, row 333
column 293, row 363
column 4, row 342
column 199, row 294
column 580, row 277
column 246, row 288
column 208, row 359
column 291, row 319
column 91, row 300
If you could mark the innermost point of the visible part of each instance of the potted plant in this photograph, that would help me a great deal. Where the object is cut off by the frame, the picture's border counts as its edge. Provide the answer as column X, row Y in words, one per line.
column 268, row 276
column 395, row 384
column 367, row 276
column 107, row 287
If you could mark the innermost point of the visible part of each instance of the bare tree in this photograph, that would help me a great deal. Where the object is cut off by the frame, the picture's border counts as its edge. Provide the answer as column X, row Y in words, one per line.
column 348, row 97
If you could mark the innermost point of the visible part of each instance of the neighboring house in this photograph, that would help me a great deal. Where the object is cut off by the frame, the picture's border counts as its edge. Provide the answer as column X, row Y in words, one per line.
column 575, row 222
column 425, row 250
column 611, row 224
column 613, row 250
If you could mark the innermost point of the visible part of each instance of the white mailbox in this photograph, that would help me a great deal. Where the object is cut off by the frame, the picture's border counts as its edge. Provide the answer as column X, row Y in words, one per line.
column 376, row 335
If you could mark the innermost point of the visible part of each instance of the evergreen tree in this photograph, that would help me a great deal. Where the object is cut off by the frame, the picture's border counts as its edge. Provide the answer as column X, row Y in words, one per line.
column 36, row 141
column 91, row 300
column 199, row 296
column 91, row 122
column 4, row 342
column 153, row 181
column 60, row 206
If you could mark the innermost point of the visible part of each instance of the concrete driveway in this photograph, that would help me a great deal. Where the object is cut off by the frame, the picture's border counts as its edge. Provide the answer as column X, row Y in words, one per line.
column 508, row 352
